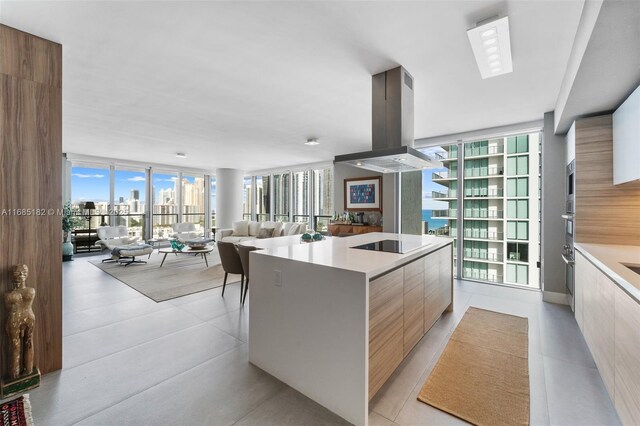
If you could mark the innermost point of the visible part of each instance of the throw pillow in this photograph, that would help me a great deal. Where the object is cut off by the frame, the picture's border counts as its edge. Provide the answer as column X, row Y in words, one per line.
column 277, row 230
column 293, row 229
column 287, row 228
column 254, row 228
column 265, row 233
column 241, row 228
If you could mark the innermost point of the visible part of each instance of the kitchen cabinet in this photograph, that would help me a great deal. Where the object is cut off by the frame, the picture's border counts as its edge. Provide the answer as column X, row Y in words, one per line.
column 627, row 358
column 610, row 321
column 352, row 229
column 403, row 305
column 626, row 140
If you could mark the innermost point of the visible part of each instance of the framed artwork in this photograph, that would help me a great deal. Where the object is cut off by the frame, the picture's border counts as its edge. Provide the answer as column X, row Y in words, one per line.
column 363, row 194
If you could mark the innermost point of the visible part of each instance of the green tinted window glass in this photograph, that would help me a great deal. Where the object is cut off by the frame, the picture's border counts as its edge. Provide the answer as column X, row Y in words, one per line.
column 523, row 209
column 512, row 209
column 511, row 166
column 523, row 165
column 511, row 145
column 522, row 143
column 511, row 187
column 523, row 231
column 522, row 274
column 512, row 232
column 511, row 273
column 523, row 187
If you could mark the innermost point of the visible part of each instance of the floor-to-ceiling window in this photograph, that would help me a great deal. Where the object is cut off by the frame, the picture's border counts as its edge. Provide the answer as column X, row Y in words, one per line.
column 263, row 201
column 213, row 202
column 497, row 209
column 165, row 203
column 439, row 195
column 129, row 200
column 89, row 184
column 193, row 200
column 322, row 198
column 300, row 201
column 281, row 205
column 247, row 193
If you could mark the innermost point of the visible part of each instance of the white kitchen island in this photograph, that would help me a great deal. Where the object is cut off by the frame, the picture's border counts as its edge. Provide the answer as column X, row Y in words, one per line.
column 334, row 321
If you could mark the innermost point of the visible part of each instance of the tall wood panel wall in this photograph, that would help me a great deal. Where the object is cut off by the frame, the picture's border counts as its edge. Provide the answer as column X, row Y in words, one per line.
column 30, row 178
column 605, row 213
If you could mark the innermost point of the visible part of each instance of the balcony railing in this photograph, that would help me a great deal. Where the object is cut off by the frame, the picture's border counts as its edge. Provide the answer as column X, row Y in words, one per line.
column 479, row 152
column 444, row 175
column 479, row 255
column 483, row 192
column 484, row 171
column 448, row 194
column 483, row 214
column 481, row 275
column 444, row 213
column 483, row 234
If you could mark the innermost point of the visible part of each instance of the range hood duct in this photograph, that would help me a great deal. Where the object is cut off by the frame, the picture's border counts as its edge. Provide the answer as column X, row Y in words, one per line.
column 391, row 128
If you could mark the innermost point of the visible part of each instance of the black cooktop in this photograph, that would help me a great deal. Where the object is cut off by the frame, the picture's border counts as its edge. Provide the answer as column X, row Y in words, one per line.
column 389, row 246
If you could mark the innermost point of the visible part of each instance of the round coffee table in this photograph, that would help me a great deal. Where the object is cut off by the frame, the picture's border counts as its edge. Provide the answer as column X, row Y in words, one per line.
column 202, row 252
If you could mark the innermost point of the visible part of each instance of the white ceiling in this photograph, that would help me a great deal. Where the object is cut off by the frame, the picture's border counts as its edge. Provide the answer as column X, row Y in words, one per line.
column 243, row 84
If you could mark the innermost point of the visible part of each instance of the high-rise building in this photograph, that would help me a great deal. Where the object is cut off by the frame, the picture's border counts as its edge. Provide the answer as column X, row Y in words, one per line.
column 500, row 207
column 135, row 194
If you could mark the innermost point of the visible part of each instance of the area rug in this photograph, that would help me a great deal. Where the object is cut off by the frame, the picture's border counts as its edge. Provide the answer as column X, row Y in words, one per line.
column 180, row 275
column 483, row 374
column 16, row 412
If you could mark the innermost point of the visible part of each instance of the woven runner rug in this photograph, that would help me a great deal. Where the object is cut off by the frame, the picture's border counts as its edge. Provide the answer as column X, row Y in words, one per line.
column 16, row 412
column 483, row 374
column 180, row 275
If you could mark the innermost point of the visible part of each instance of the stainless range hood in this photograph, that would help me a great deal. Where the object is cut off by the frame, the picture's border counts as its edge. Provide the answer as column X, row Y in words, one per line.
column 392, row 128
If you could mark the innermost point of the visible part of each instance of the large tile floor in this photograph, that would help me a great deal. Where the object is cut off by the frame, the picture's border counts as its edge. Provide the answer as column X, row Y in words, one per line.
column 129, row 360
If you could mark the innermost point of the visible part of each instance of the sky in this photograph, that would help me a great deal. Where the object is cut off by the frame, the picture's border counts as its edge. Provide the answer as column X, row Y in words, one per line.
column 89, row 184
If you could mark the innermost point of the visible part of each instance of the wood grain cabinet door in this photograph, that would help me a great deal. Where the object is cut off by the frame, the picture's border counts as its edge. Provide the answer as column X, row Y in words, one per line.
column 599, row 320
column 580, row 271
column 627, row 358
column 413, row 304
column 445, row 285
column 431, row 280
column 386, row 299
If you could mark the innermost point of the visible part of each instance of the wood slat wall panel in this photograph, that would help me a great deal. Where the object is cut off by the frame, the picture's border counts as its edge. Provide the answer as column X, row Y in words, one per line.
column 30, row 178
column 605, row 213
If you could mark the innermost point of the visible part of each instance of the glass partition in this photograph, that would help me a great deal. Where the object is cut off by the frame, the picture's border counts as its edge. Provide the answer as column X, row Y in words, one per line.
column 193, row 201
column 89, row 184
column 129, row 201
column 281, row 184
column 263, row 202
column 213, row 202
column 322, row 198
column 300, row 200
column 165, row 204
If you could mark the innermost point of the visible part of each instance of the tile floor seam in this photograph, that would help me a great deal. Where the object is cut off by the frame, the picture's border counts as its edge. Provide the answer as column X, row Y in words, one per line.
column 573, row 362
column 114, row 322
column 204, row 320
column 225, row 332
column 159, row 383
column 385, row 417
column 437, row 354
column 93, row 307
column 144, row 343
column 266, row 400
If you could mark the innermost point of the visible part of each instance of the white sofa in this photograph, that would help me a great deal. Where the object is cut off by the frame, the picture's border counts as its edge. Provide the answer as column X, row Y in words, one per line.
column 185, row 231
column 250, row 230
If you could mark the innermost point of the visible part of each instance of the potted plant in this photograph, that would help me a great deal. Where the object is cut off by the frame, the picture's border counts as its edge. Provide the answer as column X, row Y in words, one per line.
column 69, row 222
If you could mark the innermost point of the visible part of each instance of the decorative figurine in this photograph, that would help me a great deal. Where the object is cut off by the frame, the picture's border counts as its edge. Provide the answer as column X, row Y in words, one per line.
column 20, row 323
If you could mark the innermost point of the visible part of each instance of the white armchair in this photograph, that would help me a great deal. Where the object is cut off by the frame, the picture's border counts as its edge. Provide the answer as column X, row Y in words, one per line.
column 114, row 236
column 185, row 231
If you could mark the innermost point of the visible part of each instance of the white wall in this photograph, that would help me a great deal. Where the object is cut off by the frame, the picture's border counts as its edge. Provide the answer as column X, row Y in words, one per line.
column 228, row 197
column 570, row 151
column 554, row 150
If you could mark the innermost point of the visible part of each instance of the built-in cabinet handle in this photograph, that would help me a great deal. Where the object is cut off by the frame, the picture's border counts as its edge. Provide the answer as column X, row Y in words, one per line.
column 567, row 216
column 568, row 261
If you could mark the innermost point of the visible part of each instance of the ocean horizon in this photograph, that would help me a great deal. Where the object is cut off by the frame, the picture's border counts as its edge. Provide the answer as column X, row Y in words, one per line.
column 433, row 223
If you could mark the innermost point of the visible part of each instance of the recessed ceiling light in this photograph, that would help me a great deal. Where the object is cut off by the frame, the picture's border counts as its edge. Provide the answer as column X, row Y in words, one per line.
column 181, row 155
column 492, row 47
column 312, row 142
column 358, row 163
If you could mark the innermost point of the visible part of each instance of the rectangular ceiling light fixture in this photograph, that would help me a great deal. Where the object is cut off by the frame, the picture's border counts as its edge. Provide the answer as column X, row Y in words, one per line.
column 492, row 47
